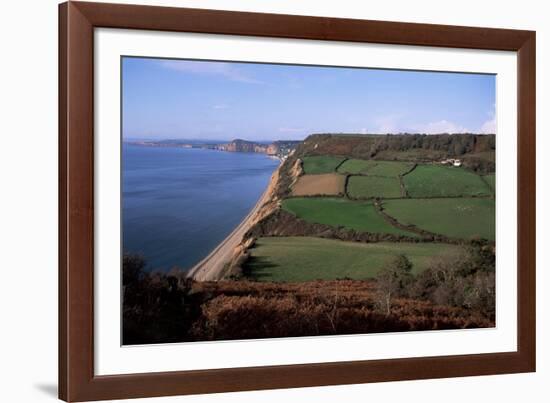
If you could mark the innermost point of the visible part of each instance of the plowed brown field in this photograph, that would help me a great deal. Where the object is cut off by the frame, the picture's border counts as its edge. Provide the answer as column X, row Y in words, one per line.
column 322, row 184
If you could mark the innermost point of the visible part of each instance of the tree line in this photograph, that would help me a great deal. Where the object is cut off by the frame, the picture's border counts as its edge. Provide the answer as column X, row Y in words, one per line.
column 465, row 279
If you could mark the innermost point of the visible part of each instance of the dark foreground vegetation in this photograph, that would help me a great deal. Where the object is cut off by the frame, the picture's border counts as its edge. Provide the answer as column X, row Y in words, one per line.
column 455, row 292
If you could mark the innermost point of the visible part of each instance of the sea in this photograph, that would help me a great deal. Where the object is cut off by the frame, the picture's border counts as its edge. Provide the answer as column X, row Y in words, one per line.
column 178, row 204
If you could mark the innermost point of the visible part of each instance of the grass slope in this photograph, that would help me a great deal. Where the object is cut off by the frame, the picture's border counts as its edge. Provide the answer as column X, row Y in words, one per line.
column 297, row 259
column 458, row 218
column 390, row 168
column 376, row 168
column 355, row 166
column 441, row 181
column 321, row 164
column 360, row 216
column 367, row 187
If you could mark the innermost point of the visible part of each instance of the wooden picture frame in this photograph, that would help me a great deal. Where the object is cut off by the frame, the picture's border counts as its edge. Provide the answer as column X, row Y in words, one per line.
column 77, row 21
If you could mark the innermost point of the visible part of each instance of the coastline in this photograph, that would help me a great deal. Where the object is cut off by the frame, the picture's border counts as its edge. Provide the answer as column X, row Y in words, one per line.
column 211, row 268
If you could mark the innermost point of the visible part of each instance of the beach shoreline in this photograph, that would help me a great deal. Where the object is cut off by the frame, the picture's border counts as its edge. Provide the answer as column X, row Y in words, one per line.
column 212, row 267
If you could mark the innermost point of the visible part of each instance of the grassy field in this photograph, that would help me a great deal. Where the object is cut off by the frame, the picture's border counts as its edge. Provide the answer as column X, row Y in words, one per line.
column 490, row 179
column 458, row 218
column 441, row 181
column 297, row 259
column 321, row 184
column 375, row 168
column 354, row 166
column 321, row 164
column 360, row 216
column 367, row 187
column 389, row 168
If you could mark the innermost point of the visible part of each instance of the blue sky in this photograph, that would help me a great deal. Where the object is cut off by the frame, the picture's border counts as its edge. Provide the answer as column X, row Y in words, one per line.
column 170, row 99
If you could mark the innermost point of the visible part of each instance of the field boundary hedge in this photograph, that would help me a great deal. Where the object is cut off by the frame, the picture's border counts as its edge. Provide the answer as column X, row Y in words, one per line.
column 346, row 184
column 282, row 223
column 404, row 192
column 339, row 165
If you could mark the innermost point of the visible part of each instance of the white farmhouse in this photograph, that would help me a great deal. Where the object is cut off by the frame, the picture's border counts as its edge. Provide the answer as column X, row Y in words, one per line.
column 452, row 161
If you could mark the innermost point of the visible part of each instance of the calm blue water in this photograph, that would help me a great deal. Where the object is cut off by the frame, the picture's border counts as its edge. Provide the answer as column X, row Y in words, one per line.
column 179, row 204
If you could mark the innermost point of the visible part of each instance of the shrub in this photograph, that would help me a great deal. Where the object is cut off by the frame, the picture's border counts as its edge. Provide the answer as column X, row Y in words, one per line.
column 393, row 280
column 465, row 280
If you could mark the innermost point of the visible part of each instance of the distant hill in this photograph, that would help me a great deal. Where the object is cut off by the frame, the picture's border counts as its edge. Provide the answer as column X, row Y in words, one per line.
column 244, row 146
column 280, row 148
column 275, row 148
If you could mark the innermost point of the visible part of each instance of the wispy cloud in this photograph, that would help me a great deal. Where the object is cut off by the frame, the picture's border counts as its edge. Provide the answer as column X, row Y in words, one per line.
column 220, row 106
column 441, row 126
column 228, row 71
column 389, row 124
column 395, row 124
column 490, row 126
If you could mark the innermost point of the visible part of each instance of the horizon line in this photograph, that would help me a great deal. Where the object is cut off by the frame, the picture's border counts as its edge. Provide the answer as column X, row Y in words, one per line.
column 125, row 138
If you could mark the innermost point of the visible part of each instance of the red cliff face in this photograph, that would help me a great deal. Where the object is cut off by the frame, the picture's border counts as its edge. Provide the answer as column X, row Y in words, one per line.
column 272, row 149
column 242, row 146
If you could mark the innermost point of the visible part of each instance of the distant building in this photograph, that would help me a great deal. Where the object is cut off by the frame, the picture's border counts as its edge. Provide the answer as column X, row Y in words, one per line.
column 452, row 161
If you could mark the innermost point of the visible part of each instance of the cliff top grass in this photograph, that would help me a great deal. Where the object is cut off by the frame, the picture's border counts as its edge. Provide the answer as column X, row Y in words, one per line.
column 374, row 167
column 443, row 181
column 368, row 187
column 321, row 164
column 463, row 218
column 297, row 259
column 357, row 215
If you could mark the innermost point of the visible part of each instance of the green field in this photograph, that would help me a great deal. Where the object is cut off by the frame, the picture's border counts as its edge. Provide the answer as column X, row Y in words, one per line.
column 367, row 187
column 295, row 259
column 441, row 181
column 490, row 179
column 357, row 215
column 321, row 164
column 375, row 168
column 390, row 168
column 354, row 166
column 457, row 218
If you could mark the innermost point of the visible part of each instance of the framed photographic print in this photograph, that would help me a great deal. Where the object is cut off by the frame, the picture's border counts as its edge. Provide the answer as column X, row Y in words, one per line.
column 254, row 201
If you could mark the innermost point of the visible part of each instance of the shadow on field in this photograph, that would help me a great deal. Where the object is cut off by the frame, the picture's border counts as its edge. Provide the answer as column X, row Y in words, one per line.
column 256, row 266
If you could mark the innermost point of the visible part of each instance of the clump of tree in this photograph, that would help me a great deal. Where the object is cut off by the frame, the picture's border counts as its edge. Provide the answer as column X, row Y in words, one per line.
column 465, row 280
column 393, row 281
